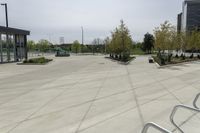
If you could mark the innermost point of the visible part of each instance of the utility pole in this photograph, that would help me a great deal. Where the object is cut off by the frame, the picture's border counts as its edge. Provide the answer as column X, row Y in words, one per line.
column 7, row 42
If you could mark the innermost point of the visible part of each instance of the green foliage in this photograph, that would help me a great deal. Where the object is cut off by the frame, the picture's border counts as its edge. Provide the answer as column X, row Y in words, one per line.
column 194, row 40
column 85, row 49
column 121, row 42
column 40, row 60
column 76, row 47
column 43, row 45
column 106, row 43
column 148, row 43
column 98, row 46
column 166, row 37
column 138, row 51
column 31, row 45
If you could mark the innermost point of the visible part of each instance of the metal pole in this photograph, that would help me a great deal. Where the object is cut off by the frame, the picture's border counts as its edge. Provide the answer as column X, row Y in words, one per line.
column 20, row 47
column 6, row 11
column 82, row 38
column 155, row 126
column 7, row 42
column 174, row 113
column 1, row 49
column 14, row 48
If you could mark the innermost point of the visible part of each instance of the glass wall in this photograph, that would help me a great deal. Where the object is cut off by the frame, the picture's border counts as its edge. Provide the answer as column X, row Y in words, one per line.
column 7, row 48
column 20, row 51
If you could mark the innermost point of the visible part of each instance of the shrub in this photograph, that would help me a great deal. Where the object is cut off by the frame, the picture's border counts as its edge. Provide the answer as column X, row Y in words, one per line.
column 176, row 56
column 120, row 56
column 191, row 56
column 40, row 60
column 125, row 56
column 116, row 56
column 182, row 56
column 169, row 57
column 161, row 59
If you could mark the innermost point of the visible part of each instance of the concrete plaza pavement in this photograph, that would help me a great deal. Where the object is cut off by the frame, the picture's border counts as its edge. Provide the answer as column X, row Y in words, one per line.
column 92, row 94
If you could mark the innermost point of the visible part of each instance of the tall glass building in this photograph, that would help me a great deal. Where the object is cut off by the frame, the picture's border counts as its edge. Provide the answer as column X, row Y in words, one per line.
column 189, row 19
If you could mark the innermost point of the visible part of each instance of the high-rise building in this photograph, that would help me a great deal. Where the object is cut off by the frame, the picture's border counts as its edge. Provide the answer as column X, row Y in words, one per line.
column 189, row 19
column 62, row 40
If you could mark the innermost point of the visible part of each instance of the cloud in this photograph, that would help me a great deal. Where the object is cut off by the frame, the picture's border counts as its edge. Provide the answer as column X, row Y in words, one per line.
column 52, row 19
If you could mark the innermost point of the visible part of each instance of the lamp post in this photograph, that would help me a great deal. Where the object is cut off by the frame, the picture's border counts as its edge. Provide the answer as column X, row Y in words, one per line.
column 6, row 12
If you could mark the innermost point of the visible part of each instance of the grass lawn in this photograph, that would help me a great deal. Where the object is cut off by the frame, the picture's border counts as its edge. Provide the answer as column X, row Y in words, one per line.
column 138, row 51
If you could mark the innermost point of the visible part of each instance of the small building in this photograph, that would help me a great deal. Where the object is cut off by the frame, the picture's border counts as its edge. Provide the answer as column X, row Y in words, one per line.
column 13, row 44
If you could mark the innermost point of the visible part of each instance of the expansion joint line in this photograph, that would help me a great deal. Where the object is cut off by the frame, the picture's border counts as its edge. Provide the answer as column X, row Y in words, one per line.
column 26, row 119
column 135, row 97
column 92, row 102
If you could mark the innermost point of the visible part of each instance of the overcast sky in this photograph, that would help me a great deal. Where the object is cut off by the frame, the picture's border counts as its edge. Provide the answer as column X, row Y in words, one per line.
column 51, row 19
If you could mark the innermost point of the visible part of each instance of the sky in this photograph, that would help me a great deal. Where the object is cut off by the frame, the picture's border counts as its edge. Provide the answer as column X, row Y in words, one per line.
column 52, row 19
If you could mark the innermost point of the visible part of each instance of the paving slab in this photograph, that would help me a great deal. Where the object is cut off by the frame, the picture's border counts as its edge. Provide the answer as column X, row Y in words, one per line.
column 92, row 94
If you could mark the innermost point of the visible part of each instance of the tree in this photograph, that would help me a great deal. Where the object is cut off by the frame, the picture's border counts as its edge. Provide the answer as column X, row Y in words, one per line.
column 85, row 49
column 106, row 43
column 121, row 42
column 165, row 37
column 148, row 43
column 182, row 42
column 193, row 40
column 43, row 45
column 76, row 47
column 31, row 45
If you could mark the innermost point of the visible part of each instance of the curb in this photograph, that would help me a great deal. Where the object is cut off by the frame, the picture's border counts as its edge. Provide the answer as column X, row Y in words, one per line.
column 123, row 63
column 171, row 65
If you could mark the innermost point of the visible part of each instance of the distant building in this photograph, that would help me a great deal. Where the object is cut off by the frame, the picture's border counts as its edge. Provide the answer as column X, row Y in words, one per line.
column 189, row 19
column 62, row 40
column 179, row 24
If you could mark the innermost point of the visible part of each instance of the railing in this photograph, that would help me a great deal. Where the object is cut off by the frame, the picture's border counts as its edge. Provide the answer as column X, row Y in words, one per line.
column 155, row 126
column 195, row 101
column 175, row 110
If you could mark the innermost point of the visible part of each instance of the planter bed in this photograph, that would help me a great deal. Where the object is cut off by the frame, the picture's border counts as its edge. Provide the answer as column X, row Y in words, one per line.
column 123, row 62
column 176, row 60
column 36, row 61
